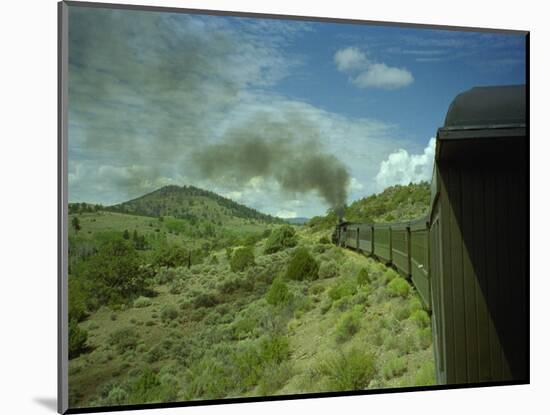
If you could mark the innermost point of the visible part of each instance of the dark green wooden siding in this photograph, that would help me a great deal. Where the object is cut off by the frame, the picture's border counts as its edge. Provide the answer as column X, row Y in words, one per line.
column 400, row 248
column 382, row 242
column 419, row 261
column 365, row 238
column 483, row 276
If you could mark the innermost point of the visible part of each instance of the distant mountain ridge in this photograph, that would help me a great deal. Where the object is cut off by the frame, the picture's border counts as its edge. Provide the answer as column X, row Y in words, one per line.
column 192, row 203
column 296, row 221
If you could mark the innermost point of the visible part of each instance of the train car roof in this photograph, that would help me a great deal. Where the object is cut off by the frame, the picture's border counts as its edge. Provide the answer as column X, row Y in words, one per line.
column 492, row 111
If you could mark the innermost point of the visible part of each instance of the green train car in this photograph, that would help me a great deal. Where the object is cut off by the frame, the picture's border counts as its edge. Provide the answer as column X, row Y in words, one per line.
column 468, row 257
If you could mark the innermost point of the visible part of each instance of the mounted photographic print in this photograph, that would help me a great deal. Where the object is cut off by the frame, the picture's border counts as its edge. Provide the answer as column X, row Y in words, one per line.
column 258, row 207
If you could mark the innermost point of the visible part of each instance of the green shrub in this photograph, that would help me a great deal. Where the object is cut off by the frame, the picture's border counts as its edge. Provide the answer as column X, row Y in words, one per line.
column 228, row 252
column 425, row 375
column 398, row 287
column 316, row 289
column 421, row 318
column 394, row 367
column 116, row 396
column 170, row 256
column 169, row 312
column 333, row 253
column 124, row 339
column 302, row 303
column 205, row 300
column 389, row 275
column 77, row 300
column 319, row 248
column 77, row 339
column 401, row 313
column 208, row 378
column 302, row 266
column 176, row 287
column 147, row 388
column 141, row 302
column 232, row 284
column 243, row 327
column 241, row 259
column 328, row 269
column 278, row 293
column 342, row 289
column 165, row 275
column 406, row 344
column 342, row 304
column 348, row 325
column 274, row 377
column 360, row 298
column 252, row 239
column 414, row 304
column 281, row 238
column 349, row 371
column 390, row 341
column 363, row 277
column 325, row 306
column 274, row 349
column 425, row 337
column 154, row 354
column 324, row 240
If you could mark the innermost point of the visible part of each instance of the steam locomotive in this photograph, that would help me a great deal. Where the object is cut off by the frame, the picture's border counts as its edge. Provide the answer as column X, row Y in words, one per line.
column 468, row 258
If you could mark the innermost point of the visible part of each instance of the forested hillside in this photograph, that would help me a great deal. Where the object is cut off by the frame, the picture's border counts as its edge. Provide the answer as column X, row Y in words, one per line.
column 191, row 203
column 395, row 203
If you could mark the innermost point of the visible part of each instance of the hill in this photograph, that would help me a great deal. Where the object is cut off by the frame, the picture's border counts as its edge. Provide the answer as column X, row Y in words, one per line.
column 395, row 203
column 189, row 217
column 192, row 204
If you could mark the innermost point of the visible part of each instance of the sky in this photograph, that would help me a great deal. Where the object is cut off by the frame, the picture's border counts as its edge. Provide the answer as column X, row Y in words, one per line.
column 288, row 117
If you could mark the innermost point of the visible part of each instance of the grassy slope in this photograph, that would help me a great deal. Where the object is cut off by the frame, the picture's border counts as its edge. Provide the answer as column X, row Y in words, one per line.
column 210, row 340
column 178, row 231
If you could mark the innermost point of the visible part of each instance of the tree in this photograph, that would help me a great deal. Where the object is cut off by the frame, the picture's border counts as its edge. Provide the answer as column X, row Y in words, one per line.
column 77, row 339
column 170, row 256
column 126, row 234
column 116, row 273
column 302, row 266
column 76, row 224
column 241, row 259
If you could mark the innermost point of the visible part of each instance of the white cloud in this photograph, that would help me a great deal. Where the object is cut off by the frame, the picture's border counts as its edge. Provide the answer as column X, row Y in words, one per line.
column 403, row 168
column 286, row 214
column 350, row 59
column 354, row 184
column 380, row 75
column 367, row 74
column 234, row 195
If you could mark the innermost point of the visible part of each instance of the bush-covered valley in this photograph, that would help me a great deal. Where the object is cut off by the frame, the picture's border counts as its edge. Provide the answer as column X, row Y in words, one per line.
column 256, row 308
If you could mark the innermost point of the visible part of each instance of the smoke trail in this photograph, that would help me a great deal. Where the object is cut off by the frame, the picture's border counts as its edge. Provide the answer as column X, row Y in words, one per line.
column 288, row 151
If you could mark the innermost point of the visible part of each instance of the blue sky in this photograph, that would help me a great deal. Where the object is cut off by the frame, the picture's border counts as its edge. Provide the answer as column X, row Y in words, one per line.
column 152, row 94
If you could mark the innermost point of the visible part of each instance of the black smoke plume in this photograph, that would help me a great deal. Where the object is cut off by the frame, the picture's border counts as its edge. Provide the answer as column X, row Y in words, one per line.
column 288, row 151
